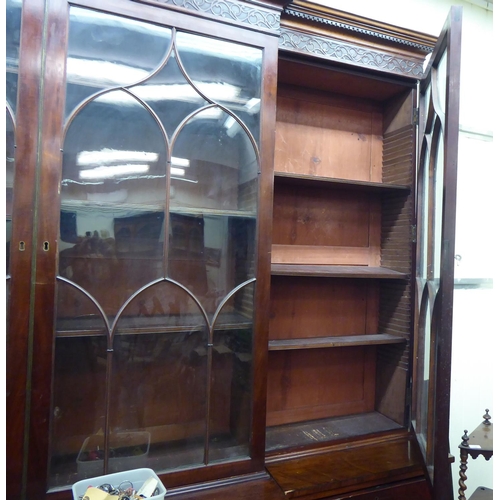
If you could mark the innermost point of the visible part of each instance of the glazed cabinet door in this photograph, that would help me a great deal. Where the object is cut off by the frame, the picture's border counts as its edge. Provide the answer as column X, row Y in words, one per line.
column 149, row 298
column 436, row 193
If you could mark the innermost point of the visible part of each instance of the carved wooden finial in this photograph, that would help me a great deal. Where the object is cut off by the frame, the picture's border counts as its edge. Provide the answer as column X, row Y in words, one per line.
column 465, row 439
column 487, row 418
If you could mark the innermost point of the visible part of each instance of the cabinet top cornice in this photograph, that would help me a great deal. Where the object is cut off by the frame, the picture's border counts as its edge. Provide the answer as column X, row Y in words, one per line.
column 352, row 24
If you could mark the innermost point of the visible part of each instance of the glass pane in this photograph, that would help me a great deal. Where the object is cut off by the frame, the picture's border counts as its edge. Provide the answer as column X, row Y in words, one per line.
column 12, row 42
column 13, row 36
column 158, row 388
column 225, row 72
column 231, row 395
column 213, row 171
column 141, row 140
column 9, row 181
column 79, row 388
column 211, row 255
column 171, row 97
column 431, row 191
column 107, row 51
column 113, row 199
column 441, row 75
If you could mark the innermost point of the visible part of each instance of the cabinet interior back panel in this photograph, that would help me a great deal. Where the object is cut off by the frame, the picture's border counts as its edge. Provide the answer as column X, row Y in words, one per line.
column 311, row 307
column 325, row 136
column 320, row 383
column 315, row 216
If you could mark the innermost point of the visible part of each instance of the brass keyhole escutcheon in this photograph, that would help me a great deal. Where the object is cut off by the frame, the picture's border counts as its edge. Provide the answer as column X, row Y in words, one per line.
column 22, row 246
column 46, row 246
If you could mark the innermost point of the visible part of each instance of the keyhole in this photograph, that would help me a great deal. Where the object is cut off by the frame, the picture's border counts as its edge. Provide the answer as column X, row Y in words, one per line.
column 45, row 246
column 22, row 246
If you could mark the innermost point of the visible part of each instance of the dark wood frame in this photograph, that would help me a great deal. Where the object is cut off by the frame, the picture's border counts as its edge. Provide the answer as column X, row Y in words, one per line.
column 438, row 453
column 19, row 341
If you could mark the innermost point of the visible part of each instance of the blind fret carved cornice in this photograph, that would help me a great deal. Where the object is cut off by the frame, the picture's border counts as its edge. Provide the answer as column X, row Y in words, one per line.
column 349, row 53
column 359, row 29
column 251, row 15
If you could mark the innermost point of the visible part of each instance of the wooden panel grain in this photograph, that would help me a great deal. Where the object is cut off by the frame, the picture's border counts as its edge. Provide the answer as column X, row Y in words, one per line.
column 320, row 383
column 349, row 469
column 336, row 271
column 340, row 341
column 18, row 326
column 261, row 487
column 413, row 489
column 325, row 139
column 303, row 307
column 319, row 254
column 322, row 216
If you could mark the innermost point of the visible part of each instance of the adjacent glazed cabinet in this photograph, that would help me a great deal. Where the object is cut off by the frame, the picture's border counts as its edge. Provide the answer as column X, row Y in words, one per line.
column 230, row 233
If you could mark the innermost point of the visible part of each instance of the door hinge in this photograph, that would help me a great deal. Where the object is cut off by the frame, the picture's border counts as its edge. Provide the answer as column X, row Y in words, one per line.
column 415, row 116
column 413, row 233
column 409, row 392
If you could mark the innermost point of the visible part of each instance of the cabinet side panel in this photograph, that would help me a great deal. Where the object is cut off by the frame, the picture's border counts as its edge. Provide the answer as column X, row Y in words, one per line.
column 396, row 253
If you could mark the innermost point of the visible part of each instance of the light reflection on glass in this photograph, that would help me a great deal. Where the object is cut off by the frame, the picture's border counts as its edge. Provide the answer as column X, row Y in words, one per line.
column 150, row 115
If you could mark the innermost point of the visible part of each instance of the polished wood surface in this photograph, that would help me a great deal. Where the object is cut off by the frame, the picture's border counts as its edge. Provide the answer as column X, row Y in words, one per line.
column 478, row 443
column 19, row 324
column 348, row 468
column 447, row 51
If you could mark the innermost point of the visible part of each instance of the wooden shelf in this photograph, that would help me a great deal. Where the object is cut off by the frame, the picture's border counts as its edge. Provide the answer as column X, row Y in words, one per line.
column 327, row 430
column 339, row 470
column 340, row 341
column 332, row 271
column 94, row 325
column 128, row 209
column 345, row 184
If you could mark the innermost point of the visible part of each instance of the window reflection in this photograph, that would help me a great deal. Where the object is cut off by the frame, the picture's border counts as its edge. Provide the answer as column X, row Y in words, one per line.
column 157, row 243
column 9, row 180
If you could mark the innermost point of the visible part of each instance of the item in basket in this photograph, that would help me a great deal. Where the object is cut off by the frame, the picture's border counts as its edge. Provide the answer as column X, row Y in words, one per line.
column 124, row 491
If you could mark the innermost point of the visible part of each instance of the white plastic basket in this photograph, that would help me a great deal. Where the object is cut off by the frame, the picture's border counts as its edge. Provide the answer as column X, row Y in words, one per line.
column 137, row 476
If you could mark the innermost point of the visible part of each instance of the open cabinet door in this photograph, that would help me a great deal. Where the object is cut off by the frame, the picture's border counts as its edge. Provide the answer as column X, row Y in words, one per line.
column 436, row 199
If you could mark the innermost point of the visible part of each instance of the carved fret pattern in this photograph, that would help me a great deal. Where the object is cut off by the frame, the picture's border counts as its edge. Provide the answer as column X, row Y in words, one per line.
column 233, row 11
column 349, row 53
column 363, row 31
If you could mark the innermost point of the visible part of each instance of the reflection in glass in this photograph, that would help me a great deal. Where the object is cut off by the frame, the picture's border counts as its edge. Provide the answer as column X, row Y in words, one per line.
column 13, row 36
column 113, row 200
column 441, row 75
column 438, row 201
column 108, row 51
column 12, row 44
column 160, row 375
column 429, row 250
column 226, row 73
column 79, row 387
column 220, row 169
column 161, row 147
column 9, row 180
column 231, row 395
column 170, row 95
column 211, row 255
